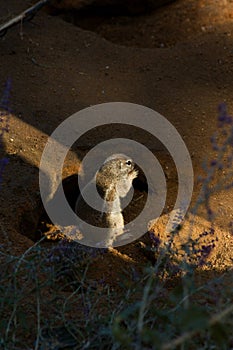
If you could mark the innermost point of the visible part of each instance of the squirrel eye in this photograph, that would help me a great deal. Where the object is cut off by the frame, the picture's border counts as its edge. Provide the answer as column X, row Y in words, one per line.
column 128, row 162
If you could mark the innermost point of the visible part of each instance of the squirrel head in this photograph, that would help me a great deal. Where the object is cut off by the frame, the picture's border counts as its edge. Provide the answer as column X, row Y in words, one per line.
column 117, row 173
column 118, row 166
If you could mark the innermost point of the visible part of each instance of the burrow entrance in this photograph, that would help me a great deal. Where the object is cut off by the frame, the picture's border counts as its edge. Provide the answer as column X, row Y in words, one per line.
column 36, row 223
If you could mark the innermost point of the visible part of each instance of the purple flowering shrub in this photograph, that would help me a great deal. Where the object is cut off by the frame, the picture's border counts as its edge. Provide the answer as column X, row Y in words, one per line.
column 221, row 163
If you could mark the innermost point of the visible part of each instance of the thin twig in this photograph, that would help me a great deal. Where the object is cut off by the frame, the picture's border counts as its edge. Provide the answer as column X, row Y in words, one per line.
column 25, row 15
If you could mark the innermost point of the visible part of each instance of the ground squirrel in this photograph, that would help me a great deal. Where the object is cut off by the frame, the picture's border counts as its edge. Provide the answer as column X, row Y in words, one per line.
column 113, row 181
